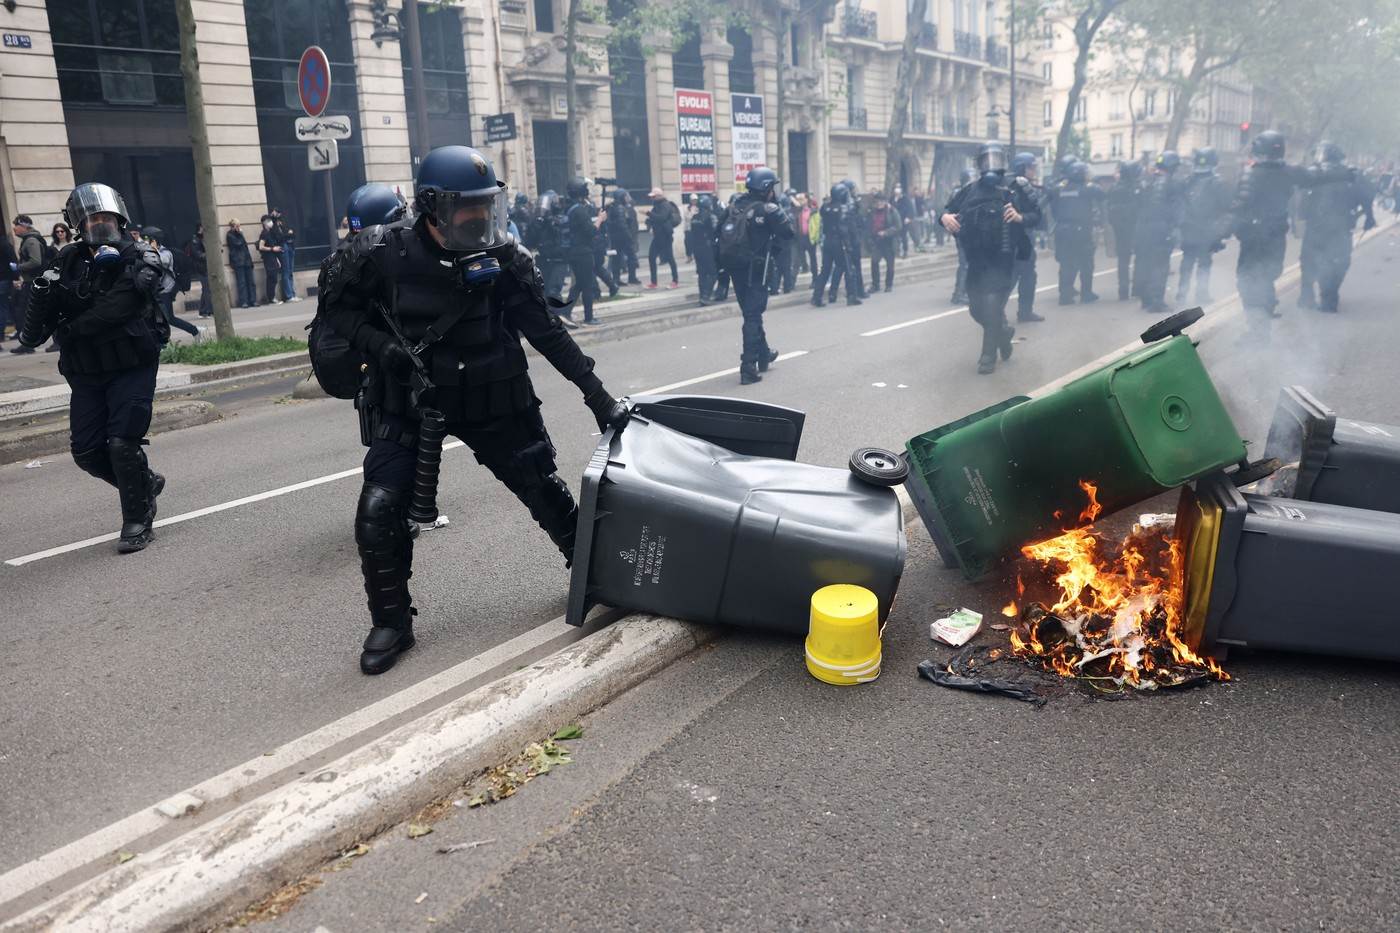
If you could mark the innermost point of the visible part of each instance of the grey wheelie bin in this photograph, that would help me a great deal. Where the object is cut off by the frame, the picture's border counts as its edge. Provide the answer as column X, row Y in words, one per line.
column 678, row 525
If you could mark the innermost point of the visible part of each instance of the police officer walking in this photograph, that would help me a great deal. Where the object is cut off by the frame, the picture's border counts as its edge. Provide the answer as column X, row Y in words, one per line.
column 1077, row 207
column 438, row 309
column 1122, row 211
column 1337, row 194
column 1024, row 166
column 580, row 247
column 1161, row 200
column 991, row 220
column 99, row 300
column 1259, row 220
column 836, row 251
column 621, row 224
column 703, row 227
column 1202, row 226
column 748, row 241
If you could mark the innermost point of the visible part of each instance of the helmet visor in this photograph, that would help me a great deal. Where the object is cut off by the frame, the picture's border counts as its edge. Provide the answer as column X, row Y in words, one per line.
column 993, row 160
column 90, row 200
column 471, row 220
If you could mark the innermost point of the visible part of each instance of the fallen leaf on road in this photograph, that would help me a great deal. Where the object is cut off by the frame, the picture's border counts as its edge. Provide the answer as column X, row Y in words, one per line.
column 477, row 801
column 465, row 846
column 569, row 732
column 1000, row 627
column 124, row 857
column 356, row 852
column 418, row 829
column 421, row 898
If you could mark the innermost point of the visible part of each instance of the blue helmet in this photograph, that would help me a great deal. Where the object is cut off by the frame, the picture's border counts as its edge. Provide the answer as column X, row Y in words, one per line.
column 1077, row 172
column 1022, row 163
column 1169, row 161
column 840, row 194
column 1268, row 146
column 373, row 204
column 1205, row 159
column 458, row 192
column 761, row 180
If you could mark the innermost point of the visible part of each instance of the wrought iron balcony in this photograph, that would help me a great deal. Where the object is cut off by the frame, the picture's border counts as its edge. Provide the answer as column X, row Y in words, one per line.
column 964, row 127
column 927, row 37
column 919, row 122
column 950, row 126
column 860, row 24
column 997, row 54
column 967, row 44
column 857, row 119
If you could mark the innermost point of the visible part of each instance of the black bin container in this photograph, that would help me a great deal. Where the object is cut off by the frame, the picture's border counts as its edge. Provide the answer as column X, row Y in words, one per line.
column 1287, row 575
column 675, row 525
column 1332, row 459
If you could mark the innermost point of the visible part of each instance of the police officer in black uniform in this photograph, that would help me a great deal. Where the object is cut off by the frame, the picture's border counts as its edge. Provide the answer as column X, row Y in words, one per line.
column 1259, row 220
column 768, row 227
column 991, row 220
column 853, row 226
column 1337, row 195
column 620, row 223
column 1202, row 226
column 580, row 247
column 543, row 238
column 520, row 213
column 1077, row 207
column 1122, row 210
column 701, row 237
column 965, row 178
column 375, row 204
column 462, row 294
column 99, row 300
column 835, row 250
column 1024, row 165
column 1161, row 201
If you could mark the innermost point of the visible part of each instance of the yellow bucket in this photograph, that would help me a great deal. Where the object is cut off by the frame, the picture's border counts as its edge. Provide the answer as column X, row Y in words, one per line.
column 843, row 641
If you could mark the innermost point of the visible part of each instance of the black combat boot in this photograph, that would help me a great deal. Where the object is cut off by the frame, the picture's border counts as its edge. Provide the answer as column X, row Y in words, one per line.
column 137, row 487
column 817, row 300
column 766, row 360
column 386, row 560
column 552, row 505
column 987, row 362
column 748, row 374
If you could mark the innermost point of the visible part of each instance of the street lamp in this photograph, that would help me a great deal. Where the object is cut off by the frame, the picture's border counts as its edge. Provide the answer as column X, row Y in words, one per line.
column 1011, row 41
column 386, row 23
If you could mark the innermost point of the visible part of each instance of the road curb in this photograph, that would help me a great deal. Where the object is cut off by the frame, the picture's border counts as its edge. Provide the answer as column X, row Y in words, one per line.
column 28, row 443
column 205, row 876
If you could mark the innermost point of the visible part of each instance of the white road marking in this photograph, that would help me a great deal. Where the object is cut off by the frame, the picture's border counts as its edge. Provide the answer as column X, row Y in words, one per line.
column 716, row 375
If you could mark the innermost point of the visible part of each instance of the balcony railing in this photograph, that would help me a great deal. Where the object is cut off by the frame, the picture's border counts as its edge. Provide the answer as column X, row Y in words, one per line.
column 860, row 24
column 919, row 122
column 949, row 126
column 967, row 44
column 993, row 129
column 964, row 127
column 927, row 37
column 857, row 119
column 997, row 55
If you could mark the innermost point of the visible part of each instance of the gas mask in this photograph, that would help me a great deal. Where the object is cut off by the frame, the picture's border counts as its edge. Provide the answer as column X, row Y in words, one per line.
column 477, row 270
column 103, row 233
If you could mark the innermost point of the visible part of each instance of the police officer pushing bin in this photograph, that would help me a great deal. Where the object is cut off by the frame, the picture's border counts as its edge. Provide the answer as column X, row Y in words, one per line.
column 438, row 309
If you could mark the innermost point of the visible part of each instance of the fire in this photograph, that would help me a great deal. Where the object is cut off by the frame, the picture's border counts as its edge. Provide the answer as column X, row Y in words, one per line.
column 1114, row 616
column 1011, row 610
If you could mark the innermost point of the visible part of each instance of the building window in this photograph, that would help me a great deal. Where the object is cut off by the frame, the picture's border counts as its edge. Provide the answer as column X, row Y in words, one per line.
column 686, row 66
column 630, row 119
column 796, row 38
column 544, row 15
column 444, row 77
column 1149, row 106
column 117, row 52
column 1047, row 117
column 855, row 97
column 1115, row 105
column 1047, row 72
column 1047, row 35
column 1115, row 146
column 1081, row 111
column 741, row 74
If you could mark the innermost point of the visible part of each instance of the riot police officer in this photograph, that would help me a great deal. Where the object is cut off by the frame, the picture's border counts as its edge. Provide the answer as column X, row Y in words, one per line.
column 836, row 253
column 1122, row 208
column 748, row 241
column 620, row 222
column 1337, row 195
column 1077, row 207
column 1024, row 165
column 991, row 218
column 520, row 211
column 375, row 204
column 1259, row 220
column 438, row 309
column 1202, row 225
column 965, row 178
column 544, row 237
column 853, row 226
column 703, row 227
column 580, row 235
column 99, row 300
column 1160, row 203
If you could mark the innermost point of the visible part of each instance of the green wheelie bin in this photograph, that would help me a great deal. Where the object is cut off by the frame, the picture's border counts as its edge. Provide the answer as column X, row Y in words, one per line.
column 1007, row 476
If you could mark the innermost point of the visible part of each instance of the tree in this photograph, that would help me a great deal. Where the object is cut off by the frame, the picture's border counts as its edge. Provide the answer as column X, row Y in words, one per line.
column 904, row 81
column 571, row 85
column 1086, row 19
column 203, row 168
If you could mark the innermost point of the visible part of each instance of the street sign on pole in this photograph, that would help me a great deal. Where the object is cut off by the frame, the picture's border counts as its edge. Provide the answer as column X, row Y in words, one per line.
column 323, row 155
column 314, row 81
column 323, row 127
column 499, row 128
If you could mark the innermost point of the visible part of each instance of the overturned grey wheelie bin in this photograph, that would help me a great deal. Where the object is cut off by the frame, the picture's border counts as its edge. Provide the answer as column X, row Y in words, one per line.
column 697, row 510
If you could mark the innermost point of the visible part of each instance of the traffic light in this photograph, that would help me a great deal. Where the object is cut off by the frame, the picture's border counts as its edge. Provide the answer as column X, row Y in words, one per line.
column 1244, row 133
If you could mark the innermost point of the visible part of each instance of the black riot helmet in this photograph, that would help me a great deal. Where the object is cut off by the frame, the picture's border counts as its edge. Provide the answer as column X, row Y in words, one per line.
column 548, row 201
column 991, row 158
column 850, row 184
column 706, row 202
column 1077, row 172
column 1129, row 171
column 1023, row 163
column 1169, row 161
column 373, row 204
column 762, row 181
column 522, row 200
column 81, row 211
column 1268, row 146
column 1063, row 163
column 1204, row 160
column 577, row 189
column 458, row 192
column 840, row 194
column 1328, row 151
column 967, row 176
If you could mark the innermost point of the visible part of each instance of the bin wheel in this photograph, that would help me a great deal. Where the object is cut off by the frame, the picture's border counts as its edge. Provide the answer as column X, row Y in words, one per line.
column 1172, row 326
column 879, row 467
column 1253, row 472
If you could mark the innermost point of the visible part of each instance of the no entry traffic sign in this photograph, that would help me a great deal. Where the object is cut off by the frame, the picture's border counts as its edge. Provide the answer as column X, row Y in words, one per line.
column 314, row 81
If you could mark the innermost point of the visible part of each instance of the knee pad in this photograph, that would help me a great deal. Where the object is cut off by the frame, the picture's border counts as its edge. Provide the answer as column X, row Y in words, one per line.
column 95, row 461
column 126, row 451
column 379, row 519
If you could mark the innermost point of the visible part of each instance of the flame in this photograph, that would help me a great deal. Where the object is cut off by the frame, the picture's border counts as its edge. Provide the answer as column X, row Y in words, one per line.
column 1112, row 616
column 1010, row 610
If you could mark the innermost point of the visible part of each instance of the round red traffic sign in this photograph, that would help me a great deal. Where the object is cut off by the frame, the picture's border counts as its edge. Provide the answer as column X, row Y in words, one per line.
column 314, row 81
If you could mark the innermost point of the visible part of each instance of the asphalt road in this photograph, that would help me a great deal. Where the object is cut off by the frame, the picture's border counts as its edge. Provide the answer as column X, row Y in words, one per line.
column 733, row 791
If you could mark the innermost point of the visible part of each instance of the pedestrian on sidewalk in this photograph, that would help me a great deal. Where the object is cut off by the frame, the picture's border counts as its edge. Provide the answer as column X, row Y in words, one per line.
column 886, row 230
column 242, row 263
column 165, row 295
column 904, row 204
column 806, row 243
column 34, row 256
column 288, row 259
column 60, row 236
column 662, row 220
column 10, row 313
column 747, row 243
column 95, row 298
column 270, row 248
column 199, row 257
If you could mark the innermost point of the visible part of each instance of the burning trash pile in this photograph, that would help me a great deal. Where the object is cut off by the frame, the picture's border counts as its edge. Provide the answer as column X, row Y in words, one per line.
column 1110, row 616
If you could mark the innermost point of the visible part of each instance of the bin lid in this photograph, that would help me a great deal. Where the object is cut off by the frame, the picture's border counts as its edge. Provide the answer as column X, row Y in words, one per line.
column 1174, row 413
column 1301, row 433
column 754, row 429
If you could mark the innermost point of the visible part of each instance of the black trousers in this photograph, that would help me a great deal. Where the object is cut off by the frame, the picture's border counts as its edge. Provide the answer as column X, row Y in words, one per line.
column 988, row 290
column 1194, row 259
column 555, row 271
column 623, row 259
column 167, row 307
column 1024, row 279
column 1074, row 250
column 833, row 267
column 516, row 450
column 1259, row 265
column 662, row 250
column 1123, row 245
column 109, row 405
column 706, row 271
column 752, row 295
column 581, row 268
column 1326, row 259
column 882, row 251
column 272, row 274
column 1154, row 261
column 960, row 279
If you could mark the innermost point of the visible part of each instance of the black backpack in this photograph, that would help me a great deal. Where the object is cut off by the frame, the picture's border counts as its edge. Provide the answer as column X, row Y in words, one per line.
column 982, row 226
column 336, row 364
column 734, row 246
column 184, row 269
column 46, row 250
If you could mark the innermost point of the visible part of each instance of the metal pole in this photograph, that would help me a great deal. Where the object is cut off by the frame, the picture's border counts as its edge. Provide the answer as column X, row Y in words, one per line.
column 332, row 221
column 1012, row 39
column 415, row 63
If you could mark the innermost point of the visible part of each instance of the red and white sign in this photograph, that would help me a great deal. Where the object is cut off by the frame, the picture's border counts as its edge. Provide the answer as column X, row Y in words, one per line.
column 695, row 128
column 314, row 81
